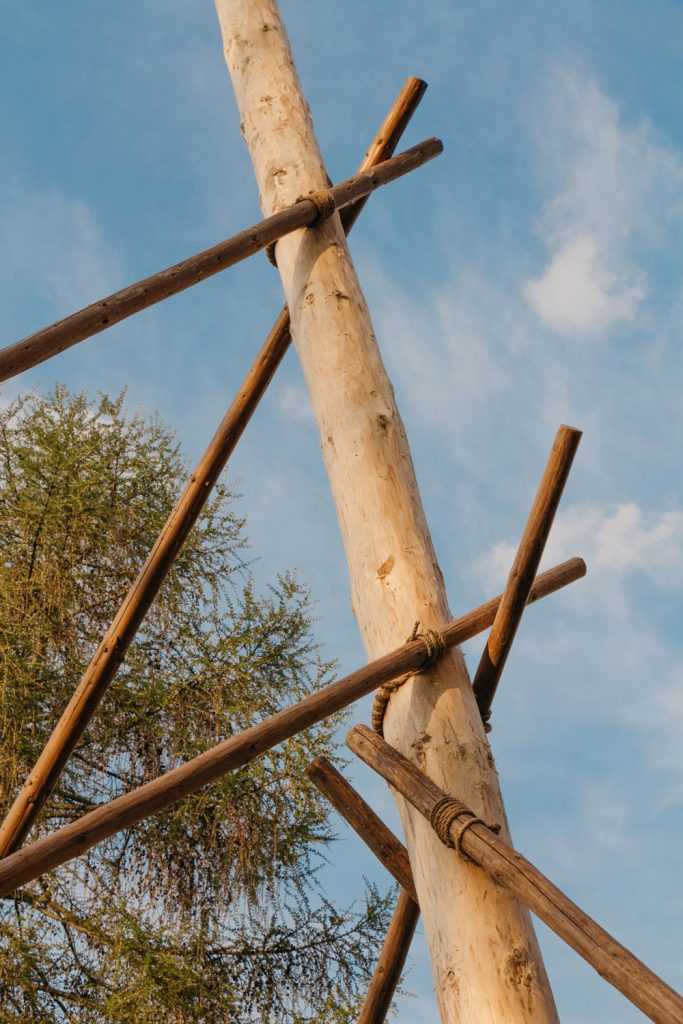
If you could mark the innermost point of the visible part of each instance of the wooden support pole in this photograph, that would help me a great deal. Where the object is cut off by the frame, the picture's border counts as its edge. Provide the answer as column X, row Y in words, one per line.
column 524, row 569
column 394, row 573
column 394, row 856
column 363, row 820
column 175, row 531
column 508, row 868
column 108, row 819
column 391, row 961
column 105, row 312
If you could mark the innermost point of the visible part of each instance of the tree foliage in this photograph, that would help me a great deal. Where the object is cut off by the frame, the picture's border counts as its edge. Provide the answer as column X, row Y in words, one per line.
column 210, row 911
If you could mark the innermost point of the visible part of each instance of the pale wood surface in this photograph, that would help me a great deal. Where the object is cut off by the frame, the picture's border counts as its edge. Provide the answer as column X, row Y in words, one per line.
column 392, row 958
column 74, row 839
column 112, row 650
column 471, row 925
column 104, row 313
column 610, row 959
column 524, row 568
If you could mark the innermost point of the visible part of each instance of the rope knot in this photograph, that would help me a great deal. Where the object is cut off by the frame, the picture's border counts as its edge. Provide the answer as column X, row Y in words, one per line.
column 435, row 647
column 323, row 200
column 445, row 813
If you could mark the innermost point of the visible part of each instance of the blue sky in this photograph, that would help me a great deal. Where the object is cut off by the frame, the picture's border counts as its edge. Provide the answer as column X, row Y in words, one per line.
column 530, row 276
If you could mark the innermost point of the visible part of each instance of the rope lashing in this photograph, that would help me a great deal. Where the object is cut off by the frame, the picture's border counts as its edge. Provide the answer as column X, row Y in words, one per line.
column 445, row 812
column 323, row 200
column 433, row 641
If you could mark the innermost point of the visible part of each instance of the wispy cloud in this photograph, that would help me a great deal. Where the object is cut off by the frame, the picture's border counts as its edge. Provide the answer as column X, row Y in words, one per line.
column 616, row 542
column 615, row 190
column 58, row 252
column 578, row 292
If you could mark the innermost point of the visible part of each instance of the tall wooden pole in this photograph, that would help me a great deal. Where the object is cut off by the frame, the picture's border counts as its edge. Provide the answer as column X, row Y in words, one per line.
column 476, row 932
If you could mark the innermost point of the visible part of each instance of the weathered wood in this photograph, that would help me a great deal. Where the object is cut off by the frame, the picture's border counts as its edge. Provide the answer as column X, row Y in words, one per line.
column 74, row 839
column 524, row 568
column 363, row 820
column 175, row 531
column 395, row 577
column 391, row 961
column 509, row 868
column 116, row 307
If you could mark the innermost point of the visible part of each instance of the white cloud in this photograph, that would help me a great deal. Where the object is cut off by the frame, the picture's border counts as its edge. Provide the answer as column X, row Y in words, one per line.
column 578, row 292
column 614, row 189
column 617, row 542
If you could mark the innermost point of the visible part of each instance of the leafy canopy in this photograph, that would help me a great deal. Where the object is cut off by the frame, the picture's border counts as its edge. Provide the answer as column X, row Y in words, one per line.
column 210, row 911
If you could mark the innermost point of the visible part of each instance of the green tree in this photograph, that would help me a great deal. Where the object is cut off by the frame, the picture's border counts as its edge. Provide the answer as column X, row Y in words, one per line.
column 211, row 911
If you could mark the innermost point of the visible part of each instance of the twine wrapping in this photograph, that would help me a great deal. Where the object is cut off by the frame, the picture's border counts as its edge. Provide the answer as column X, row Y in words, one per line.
column 445, row 813
column 323, row 200
column 433, row 641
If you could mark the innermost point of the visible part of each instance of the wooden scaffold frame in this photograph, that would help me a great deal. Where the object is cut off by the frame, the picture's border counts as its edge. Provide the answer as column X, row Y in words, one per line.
column 449, row 837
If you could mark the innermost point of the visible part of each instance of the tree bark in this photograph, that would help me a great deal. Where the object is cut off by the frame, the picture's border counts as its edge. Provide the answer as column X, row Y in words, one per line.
column 474, row 929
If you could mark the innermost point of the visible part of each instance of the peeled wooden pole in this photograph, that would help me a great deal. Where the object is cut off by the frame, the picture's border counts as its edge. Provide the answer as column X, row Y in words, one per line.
column 363, row 820
column 108, row 819
column 106, row 312
column 135, row 605
column 395, row 577
column 610, row 959
column 392, row 958
column 524, row 568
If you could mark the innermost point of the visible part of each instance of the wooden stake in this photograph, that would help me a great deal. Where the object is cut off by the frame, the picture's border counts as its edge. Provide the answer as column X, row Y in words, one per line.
column 108, row 819
column 508, row 868
column 363, row 820
column 106, row 312
column 524, row 568
column 391, row 961
column 118, row 638
column 394, row 572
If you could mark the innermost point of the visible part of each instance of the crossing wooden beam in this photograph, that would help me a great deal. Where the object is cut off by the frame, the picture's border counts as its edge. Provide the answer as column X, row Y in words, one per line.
column 111, row 310
column 524, row 569
column 175, row 531
column 509, row 868
column 74, row 839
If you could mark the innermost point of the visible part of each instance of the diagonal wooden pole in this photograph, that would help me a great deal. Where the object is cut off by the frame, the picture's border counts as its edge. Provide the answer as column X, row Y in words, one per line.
column 474, row 840
column 168, row 545
column 524, row 569
column 392, row 959
column 105, row 312
column 363, row 820
column 394, row 572
column 108, row 819
column 394, row 856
